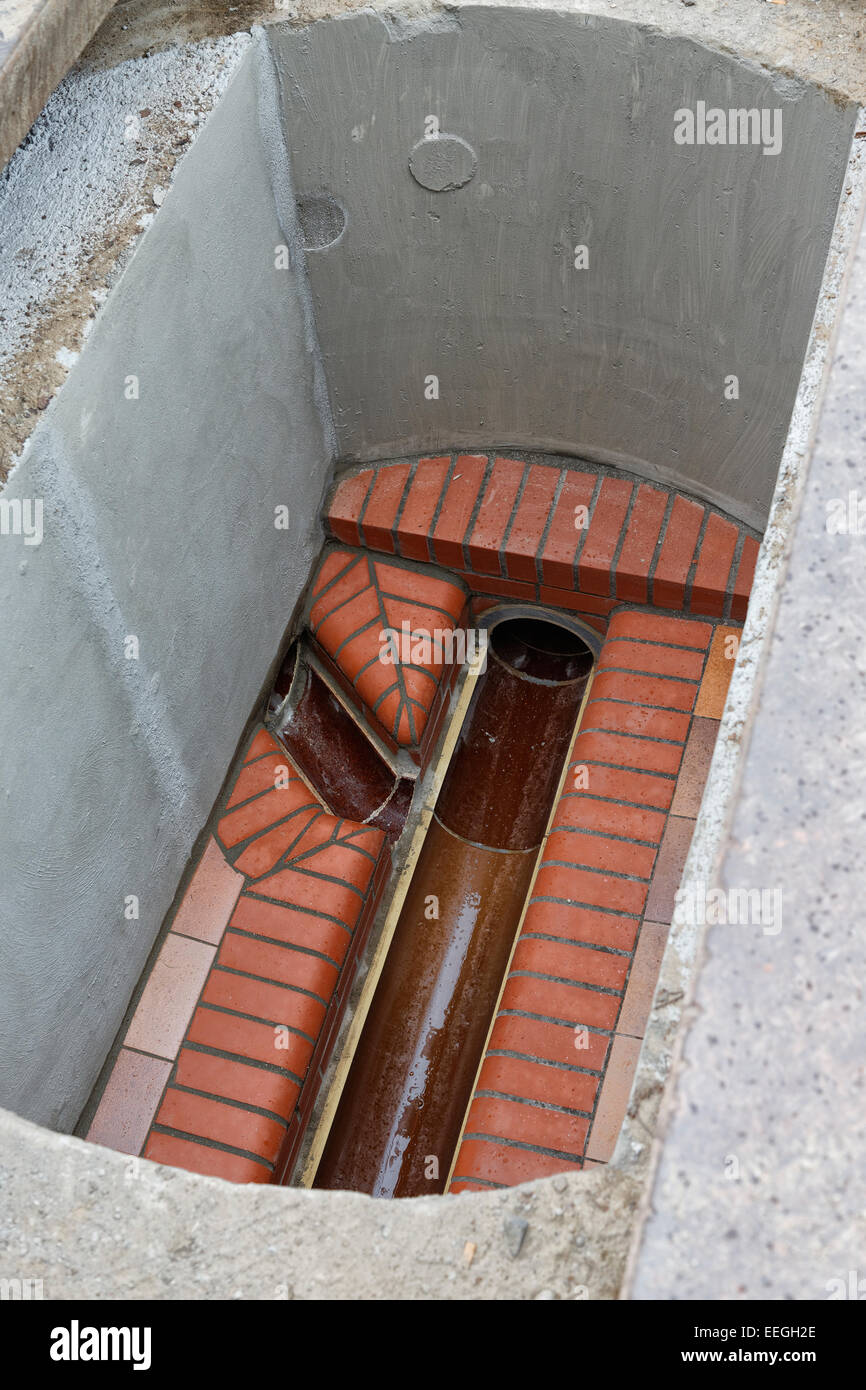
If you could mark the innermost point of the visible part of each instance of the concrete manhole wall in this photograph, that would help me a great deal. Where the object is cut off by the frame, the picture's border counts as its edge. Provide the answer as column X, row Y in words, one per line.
column 595, row 285
column 565, row 277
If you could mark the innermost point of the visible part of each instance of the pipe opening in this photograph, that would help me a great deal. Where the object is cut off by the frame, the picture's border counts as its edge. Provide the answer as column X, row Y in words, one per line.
column 541, row 650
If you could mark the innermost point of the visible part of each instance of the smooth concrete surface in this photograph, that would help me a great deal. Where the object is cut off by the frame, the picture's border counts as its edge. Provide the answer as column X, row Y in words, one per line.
column 159, row 525
column 703, row 262
column 168, row 57
column 39, row 42
column 758, row 1192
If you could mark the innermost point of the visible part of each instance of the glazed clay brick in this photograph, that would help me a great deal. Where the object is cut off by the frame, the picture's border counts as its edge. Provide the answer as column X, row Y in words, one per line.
column 641, row 543
column 584, row 969
column 280, row 890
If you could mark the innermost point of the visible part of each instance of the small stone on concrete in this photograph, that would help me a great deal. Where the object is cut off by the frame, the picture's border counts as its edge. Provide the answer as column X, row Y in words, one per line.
column 515, row 1229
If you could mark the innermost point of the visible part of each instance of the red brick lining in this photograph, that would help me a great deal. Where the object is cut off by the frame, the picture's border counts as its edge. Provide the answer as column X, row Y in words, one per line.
column 563, row 1048
column 241, row 1057
column 246, row 1075
column 355, row 598
column 517, row 530
column 228, row 1044
column 232, row 1103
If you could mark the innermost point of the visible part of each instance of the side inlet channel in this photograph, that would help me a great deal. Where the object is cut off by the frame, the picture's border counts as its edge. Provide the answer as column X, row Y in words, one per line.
column 399, row 1117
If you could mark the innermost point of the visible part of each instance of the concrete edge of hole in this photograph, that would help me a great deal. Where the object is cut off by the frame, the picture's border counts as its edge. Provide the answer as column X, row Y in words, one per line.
column 654, row 1092
column 759, row 1196
column 785, row 41
column 43, row 41
column 95, row 1224
column 345, row 1246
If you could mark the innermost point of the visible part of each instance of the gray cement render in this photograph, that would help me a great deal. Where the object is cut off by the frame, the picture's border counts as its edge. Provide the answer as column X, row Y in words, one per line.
column 159, row 523
column 94, row 1224
column 762, row 1164
column 703, row 262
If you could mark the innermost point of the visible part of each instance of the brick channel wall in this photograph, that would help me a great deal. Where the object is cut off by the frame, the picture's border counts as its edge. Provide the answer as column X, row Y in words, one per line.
column 563, row 1049
column 227, row 1047
column 222, row 1058
column 514, row 529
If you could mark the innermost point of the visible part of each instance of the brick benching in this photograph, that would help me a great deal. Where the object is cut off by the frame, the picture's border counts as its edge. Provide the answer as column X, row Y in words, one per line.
column 568, row 536
column 355, row 598
column 562, row 1052
column 226, row 1049
column 221, row 1060
column 225, row 1052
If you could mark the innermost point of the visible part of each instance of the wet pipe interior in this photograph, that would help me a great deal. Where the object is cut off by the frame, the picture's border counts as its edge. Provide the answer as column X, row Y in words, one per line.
column 399, row 1116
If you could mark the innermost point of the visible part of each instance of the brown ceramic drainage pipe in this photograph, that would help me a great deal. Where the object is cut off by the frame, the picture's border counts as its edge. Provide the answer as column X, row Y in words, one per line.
column 337, row 759
column 402, row 1106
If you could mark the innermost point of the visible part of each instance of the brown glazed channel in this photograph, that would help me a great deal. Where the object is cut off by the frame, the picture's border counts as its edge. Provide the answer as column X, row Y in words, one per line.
column 500, row 785
column 402, row 1106
column 336, row 758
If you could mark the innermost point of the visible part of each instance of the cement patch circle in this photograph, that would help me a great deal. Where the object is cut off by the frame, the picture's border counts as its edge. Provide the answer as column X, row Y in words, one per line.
column 443, row 163
column 322, row 221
